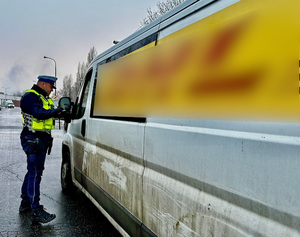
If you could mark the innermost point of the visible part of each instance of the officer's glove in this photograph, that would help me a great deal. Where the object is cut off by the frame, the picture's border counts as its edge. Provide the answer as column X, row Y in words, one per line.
column 66, row 115
column 58, row 113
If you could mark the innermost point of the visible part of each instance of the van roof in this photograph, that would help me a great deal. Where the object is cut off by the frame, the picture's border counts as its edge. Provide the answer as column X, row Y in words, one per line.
column 151, row 28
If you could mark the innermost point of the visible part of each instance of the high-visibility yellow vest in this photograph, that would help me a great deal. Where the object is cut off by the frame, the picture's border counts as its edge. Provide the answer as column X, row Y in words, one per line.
column 34, row 124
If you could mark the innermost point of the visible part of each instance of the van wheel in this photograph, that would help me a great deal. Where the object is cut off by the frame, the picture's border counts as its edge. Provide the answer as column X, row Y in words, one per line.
column 65, row 174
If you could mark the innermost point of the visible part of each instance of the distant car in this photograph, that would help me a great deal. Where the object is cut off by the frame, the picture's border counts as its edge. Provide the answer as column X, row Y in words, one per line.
column 10, row 105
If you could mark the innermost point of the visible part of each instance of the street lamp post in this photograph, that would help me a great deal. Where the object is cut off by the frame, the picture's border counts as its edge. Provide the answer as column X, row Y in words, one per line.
column 55, row 76
column 5, row 88
column 54, row 67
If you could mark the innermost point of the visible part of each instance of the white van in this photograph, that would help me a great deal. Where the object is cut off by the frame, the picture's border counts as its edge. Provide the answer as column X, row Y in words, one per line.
column 190, row 126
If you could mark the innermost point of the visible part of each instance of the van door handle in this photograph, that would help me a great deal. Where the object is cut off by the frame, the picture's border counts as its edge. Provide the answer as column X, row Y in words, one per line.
column 83, row 127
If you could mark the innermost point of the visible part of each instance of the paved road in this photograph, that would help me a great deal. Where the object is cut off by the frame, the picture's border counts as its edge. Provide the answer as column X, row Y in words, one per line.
column 76, row 215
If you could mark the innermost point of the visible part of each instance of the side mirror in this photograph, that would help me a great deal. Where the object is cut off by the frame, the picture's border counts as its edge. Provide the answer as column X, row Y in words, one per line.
column 65, row 103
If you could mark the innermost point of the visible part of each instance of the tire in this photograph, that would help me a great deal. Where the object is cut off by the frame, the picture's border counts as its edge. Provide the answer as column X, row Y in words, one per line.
column 65, row 174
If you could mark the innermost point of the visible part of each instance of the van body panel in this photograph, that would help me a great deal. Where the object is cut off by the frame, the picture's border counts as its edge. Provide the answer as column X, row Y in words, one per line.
column 77, row 143
column 115, row 160
column 237, row 168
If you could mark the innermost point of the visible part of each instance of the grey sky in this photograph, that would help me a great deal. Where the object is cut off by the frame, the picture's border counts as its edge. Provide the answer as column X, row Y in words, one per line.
column 62, row 29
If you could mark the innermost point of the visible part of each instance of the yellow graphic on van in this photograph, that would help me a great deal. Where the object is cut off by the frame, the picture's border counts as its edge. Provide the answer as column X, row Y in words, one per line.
column 239, row 64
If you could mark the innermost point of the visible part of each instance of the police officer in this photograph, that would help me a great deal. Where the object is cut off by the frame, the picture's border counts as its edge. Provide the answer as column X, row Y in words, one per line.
column 37, row 113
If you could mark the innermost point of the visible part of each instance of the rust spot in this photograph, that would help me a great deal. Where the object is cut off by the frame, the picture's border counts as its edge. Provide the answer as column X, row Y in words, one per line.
column 177, row 225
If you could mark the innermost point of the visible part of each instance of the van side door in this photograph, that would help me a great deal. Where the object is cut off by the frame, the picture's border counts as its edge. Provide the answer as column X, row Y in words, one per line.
column 78, row 126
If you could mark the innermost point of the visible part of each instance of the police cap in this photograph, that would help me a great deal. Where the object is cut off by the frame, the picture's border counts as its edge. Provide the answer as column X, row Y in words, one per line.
column 48, row 79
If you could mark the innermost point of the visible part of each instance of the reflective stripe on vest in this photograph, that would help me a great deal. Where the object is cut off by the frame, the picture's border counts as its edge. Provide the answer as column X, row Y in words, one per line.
column 34, row 124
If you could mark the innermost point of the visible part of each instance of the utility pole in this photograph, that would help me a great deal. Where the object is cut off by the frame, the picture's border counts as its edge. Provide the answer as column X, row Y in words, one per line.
column 5, row 88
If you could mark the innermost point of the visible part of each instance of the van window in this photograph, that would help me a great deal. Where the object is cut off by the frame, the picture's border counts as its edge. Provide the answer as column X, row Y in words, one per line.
column 129, row 119
column 81, row 102
column 132, row 48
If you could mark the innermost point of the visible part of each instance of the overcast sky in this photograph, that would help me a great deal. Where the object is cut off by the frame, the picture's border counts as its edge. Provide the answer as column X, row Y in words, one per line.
column 61, row 29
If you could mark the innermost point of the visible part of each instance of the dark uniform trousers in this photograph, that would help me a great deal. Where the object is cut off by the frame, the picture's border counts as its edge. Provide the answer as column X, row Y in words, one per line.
column 35, row 148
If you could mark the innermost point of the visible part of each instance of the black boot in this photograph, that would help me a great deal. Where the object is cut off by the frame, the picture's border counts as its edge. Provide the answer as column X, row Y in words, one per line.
column 39, row 215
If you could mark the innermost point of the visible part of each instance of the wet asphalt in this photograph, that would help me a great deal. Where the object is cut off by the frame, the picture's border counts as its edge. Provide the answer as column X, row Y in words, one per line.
column 75, row 215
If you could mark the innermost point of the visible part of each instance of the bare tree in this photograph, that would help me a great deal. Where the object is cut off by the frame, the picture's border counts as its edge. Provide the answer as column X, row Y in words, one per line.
column 71, row 90
column 81, row 71
column 162, row 8
column 67, row 87
column 91, row 55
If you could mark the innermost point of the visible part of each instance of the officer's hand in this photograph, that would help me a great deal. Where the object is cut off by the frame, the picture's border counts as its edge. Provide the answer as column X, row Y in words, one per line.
column 59, row 112
column 66, row 115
